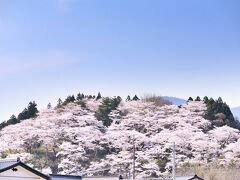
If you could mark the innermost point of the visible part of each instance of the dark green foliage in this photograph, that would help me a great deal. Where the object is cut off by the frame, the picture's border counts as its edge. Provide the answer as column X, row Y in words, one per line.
column 3, row 124
column 82, row 103
column 190, row 99
column 49, row 106
column 162, row 162
column 69, row 99
column 108, row 104
column 59, row 103
column 99, row 96
column 13, row 120
column 32, row 109
column 80, row 97
column 128, row 98
column 198, row 98
column 29, row 112
column 135, row 98
column 205, row 99
column 220, row 114
column 23, row 115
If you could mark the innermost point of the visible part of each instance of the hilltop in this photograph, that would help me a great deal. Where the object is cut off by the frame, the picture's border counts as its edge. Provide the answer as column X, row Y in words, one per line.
column 69, row 139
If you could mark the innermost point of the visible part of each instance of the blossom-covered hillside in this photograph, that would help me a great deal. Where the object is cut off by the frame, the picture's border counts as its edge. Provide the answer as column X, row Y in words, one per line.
column 70, row 140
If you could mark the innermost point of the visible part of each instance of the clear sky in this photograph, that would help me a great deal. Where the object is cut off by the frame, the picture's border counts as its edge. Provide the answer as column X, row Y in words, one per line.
column 53, row 48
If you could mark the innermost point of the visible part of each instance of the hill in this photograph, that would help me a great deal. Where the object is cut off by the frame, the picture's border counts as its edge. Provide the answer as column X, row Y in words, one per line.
column 70, row 140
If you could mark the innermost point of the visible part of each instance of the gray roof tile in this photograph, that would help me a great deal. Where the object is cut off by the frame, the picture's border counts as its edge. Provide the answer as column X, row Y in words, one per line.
column 7, row 162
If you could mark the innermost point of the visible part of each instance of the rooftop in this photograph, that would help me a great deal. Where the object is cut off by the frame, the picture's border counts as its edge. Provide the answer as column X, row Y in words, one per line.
column 64, row 177
column 7, row 162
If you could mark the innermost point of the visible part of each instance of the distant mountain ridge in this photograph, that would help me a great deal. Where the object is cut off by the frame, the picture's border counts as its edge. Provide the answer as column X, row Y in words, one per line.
column 175, row 100
column 236, row 111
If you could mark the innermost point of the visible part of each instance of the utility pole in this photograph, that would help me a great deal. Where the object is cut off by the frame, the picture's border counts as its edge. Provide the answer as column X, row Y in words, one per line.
column 134, row 152
column 174, row 163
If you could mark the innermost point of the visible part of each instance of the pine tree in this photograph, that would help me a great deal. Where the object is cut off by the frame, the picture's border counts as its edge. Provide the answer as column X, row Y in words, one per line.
column 99, row 96
column 198, row 98
column 205, row 99
column 79, row 97
column 135, row 98
column 108, row 104
column 220, row 114
column 59, row 103
column 32, row 109
column 13, row 120
column 69, row 99
column 190, row 99
column 23, row 115
column 29, row 112
column 219, row 100
column 49, row 106
column 128, row 98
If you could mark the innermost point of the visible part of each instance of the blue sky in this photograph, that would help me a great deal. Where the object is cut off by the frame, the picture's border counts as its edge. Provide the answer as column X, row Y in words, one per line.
column 53, row 48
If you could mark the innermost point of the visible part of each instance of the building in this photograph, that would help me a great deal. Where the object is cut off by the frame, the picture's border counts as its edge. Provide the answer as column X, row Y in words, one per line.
column 17, row 170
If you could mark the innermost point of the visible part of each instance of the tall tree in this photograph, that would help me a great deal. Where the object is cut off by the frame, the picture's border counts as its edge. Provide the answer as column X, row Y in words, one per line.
column 108, row 104
column 49, row 106
column 29, row 112
column 135, row 98
column 190, row 99
column 205, row 99
column 128, row 98
column 13, row 120
column 79, row 97
column 198, row 98
column 99, row 96
column 32, row 109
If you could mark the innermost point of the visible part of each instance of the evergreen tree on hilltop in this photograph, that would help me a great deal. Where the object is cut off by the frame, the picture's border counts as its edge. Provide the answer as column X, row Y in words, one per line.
column 108, row 104
column 198, row 98
column 135, row 98
column 79, row 97
column 205, row 99
column 13, row 120
column 128, row 98
column 211, row 101
column 32, row 109
column 220, row 114
column 69, row 99
column 23, row 115
column 220, row 101
column 99, row 96
column 49, row 106
column 3, row 124
column 59, row 103
column 190, row 99
column 29, row 112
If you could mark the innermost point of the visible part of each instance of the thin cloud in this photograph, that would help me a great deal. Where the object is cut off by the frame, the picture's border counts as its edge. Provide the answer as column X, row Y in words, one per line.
column 16, row 64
